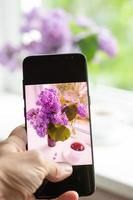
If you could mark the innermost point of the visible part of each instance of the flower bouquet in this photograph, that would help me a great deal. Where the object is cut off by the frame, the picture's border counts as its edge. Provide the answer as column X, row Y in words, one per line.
column 54, row 115
column 57, row 31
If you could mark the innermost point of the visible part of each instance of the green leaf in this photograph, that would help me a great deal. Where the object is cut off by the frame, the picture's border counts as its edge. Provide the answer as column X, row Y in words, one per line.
column 58, row 132
column 89, row 46
column 71, row 111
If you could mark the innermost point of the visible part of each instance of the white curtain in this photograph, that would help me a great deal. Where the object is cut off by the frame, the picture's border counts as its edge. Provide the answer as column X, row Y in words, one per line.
column 9, row 21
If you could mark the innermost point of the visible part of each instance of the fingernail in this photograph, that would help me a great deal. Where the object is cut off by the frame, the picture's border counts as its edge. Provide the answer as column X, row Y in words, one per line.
column 67, row 168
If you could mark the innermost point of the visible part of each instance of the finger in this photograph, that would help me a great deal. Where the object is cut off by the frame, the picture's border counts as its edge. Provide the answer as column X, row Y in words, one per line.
column 31, row 198
column 34, row 168
column 18, row 137
column 72, row 195
column 52, row 171
column 59, row 171
column 20, row 132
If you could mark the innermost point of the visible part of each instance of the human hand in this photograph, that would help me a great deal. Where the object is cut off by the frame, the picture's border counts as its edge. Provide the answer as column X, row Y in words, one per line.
column 22, row 172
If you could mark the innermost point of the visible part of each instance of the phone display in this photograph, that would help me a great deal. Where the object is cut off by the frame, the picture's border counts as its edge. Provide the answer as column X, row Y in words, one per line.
column 57, row 117
column 58, row 121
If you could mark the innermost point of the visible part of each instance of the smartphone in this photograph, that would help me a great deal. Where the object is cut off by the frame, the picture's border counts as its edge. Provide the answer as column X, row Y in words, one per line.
column 57, row 118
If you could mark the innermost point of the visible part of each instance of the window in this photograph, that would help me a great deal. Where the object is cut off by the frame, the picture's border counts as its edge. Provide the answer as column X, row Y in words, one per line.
column 28, row 5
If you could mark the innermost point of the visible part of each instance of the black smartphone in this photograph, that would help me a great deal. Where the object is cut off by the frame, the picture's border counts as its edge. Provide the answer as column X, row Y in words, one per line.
column 57, row 117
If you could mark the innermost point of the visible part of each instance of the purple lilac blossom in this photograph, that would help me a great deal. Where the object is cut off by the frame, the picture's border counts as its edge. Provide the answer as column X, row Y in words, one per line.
column 59, row 118
column 55, row 36
column 48, row 111
column 54, row 29
column 49, row 100
column 36, row 120
column 40, row 126
column 34, row 47
column 33, row 14
column 82, row 110
column 32, row 21
column 107, row 42
column 32, row 113
column 9, row 56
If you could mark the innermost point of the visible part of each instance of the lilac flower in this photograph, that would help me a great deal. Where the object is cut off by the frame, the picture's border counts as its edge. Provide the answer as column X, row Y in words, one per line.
column 45, row 116
column 82, row 110
column 59, row 118
column 33, row 14
column 53, row 26
column 32, row 113
column 107, row 42
column 48, row 111
column 34, row 47
column 49, row 100
column 9, row 56
column 55, row 30
column 37, row 121
column 40, row 126
column 32, row 21
column 50, row 32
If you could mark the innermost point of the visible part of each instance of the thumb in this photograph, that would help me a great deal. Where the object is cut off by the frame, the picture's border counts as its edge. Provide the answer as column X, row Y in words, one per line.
column 51, row 170
column 30, row 170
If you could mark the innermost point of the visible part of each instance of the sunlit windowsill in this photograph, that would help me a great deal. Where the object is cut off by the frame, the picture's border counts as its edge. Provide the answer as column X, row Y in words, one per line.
column 113, row 138
column 113, row 155
column 114, row 168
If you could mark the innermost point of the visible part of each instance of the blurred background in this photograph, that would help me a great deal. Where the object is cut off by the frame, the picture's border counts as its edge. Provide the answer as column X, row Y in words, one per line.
column 100, row 29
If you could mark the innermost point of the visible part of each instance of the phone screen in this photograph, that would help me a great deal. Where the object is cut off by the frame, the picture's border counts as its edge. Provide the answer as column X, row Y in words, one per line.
column 58, row 121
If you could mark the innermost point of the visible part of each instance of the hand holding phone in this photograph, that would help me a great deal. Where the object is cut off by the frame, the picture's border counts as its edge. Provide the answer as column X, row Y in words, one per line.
column 57, row 115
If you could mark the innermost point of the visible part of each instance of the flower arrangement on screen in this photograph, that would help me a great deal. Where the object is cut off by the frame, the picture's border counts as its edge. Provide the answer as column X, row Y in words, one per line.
column 53, row 114
column 57, row 31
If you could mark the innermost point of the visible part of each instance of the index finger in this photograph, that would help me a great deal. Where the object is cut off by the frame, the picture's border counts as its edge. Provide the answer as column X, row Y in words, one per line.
column 19, row 137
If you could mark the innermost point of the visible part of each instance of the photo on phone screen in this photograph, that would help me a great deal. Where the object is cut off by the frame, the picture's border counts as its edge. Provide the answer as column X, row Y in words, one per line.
column 58, row 121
